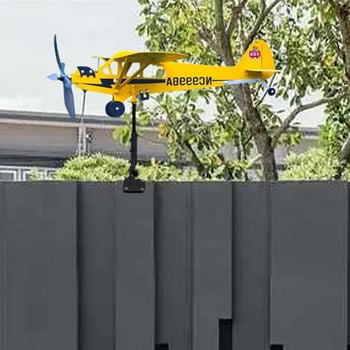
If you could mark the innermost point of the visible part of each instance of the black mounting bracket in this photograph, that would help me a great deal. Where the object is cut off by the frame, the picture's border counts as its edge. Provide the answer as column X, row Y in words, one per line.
column 131, row 183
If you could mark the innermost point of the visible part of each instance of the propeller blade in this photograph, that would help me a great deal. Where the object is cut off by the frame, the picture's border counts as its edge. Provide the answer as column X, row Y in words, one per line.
column 66, row 81
column 59, row 63
column 53, row 76
column 69, row 100
column 67, row 85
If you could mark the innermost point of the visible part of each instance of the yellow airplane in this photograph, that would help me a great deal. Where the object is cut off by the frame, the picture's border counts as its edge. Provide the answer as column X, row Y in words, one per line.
column 123, row 75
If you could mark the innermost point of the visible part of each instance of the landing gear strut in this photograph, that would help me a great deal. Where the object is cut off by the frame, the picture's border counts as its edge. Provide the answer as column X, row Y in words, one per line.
column 131, row 183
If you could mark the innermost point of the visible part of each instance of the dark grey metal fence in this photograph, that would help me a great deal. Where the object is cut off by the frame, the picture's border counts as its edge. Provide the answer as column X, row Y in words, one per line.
column 183, row 266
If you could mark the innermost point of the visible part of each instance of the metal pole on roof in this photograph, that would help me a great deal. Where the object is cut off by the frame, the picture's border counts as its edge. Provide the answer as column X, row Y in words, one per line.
column 82, row 130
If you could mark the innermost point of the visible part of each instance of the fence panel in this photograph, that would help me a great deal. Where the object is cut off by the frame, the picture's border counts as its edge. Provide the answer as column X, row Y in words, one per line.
column 183, row 266
column 309, row 265
column 38, row 266
column 134, row 263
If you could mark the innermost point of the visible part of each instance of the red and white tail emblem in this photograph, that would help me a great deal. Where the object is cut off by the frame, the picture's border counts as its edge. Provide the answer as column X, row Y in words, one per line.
column 254, row 53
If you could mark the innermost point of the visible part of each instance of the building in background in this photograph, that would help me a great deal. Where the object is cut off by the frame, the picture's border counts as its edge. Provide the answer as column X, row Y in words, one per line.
column 45, row 140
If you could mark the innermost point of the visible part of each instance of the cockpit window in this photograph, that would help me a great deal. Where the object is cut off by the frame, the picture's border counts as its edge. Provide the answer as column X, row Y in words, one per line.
column 154, row 71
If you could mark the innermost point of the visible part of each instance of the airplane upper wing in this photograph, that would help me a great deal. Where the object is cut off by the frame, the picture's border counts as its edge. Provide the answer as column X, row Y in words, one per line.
column 102, row 57
column 148, row 57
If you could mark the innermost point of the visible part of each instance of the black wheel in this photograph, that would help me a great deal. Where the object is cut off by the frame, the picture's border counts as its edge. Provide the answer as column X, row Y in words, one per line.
column 271, row 91
column 107, row 108
column 115, row 109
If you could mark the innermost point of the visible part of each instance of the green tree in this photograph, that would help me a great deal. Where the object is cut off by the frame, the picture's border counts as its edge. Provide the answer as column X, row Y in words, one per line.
column 218, row 32
column 335, row 20
column 100, row 167
column 330, row 21
column 314, row 164
column 97, row 167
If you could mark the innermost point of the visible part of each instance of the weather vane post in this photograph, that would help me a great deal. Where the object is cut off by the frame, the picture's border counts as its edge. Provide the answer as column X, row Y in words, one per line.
column 131, row 184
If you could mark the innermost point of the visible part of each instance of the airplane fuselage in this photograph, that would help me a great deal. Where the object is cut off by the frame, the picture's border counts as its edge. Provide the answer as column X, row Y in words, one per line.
column 178, row 76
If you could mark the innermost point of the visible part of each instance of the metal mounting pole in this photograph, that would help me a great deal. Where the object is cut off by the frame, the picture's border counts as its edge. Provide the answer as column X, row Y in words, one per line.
column 131, row 183
column 133, row 148
column 82, row 130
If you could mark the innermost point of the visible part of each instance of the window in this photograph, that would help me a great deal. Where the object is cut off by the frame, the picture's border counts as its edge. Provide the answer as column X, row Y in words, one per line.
column 7, row 175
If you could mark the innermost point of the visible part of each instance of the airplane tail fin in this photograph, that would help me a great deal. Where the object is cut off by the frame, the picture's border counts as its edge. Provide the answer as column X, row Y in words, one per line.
column 258, row 60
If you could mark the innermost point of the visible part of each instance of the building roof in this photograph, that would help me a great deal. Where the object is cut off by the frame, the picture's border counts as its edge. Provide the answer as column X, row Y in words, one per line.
column 61, row 118
column 34, row 136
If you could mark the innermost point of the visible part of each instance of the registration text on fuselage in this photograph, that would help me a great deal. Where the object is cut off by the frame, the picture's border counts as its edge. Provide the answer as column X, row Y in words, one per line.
column 182, row 81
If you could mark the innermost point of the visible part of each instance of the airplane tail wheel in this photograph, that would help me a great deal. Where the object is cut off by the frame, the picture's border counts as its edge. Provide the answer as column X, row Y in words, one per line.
column 115, row 109
column 271, row 91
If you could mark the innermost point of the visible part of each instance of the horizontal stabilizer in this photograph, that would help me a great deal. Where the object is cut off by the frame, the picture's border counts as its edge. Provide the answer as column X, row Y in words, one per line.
column 262, row 70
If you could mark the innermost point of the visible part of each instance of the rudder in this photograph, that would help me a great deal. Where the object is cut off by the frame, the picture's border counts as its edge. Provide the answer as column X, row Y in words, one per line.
column 258, row 59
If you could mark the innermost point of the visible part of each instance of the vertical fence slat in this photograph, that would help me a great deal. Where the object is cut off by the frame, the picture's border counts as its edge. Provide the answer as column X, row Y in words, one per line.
column 39, row 282
column 134, row 264
column 309, row 265
column 212, row 261
column 96, row 266
column 173, row 254
column 250, row 266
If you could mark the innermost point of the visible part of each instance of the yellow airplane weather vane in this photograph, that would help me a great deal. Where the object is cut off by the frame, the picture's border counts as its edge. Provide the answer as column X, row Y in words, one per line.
column 124, row 76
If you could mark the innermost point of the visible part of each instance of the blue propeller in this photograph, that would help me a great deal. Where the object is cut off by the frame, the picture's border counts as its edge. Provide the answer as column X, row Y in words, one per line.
column 67, row 85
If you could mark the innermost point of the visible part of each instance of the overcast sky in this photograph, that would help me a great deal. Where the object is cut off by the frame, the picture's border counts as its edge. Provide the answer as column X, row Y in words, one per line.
column 83, row 28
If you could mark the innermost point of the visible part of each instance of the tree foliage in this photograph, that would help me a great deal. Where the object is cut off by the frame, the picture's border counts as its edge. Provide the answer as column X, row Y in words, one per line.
column 329, row 24
column 310, row 40
column 218, row 32
column 336, row 20
column 100, row 167
column 314, row 164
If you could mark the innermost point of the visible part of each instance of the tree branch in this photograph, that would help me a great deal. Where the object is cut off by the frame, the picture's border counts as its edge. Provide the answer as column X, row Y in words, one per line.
column 300, row 108
column 342, row 11
column 220, row 25
column 261, row 137
column 222, row 35
column 236, row 13
column 254, row 160
column 195, row 158
column 200, row 166
column 206, row 35
column 264, row 12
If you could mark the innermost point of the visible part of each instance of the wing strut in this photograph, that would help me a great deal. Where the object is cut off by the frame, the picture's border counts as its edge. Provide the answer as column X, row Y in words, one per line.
column 121, row 82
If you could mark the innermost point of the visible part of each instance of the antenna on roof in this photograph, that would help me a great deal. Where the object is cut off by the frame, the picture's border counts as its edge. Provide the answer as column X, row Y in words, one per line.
column 82, row 135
